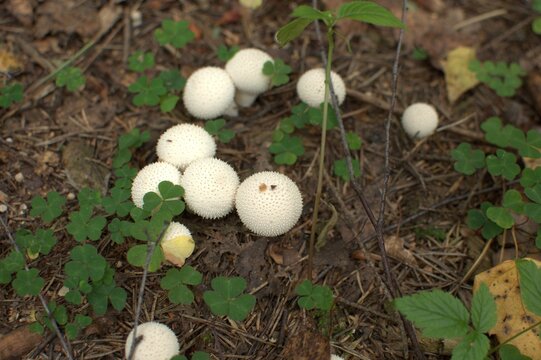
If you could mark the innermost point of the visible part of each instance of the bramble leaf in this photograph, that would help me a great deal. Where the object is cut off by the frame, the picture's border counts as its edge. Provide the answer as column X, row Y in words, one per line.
column 483, row 310
column 530, row 285
column 509, row 352
column 368, row 12
column 473, row 346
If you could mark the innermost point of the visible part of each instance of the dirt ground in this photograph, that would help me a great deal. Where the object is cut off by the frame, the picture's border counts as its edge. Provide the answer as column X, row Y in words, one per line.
column 427, row 240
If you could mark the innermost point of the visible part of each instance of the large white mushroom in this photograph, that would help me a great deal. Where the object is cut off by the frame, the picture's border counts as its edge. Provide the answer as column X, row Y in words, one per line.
column 210, row 93
column 419, row 120
column 210, row 185
column 182, row 144
column 149, row 177
column 268, row 203
column 177, row 243
column 311, row 87
column 158, row 342
column 246, row 70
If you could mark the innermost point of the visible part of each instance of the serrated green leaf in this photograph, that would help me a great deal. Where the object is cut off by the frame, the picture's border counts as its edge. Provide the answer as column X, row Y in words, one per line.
column 354, row 141
column 176, row 33
column 483, row 310
column 530, row 285
column 474, row 346
column 10, row 94
column 291, row 31
column 308, row 12
column 368, row 12
column 70, row 77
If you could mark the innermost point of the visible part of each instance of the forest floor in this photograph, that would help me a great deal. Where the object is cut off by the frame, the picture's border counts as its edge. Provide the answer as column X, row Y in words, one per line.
column 62, row 141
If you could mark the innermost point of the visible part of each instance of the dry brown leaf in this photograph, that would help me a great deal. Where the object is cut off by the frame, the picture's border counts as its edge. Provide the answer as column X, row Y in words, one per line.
column 282, row 255
column 22, row 10
column 503, row 283
column 68, row 16
column 9, row 63
column 305, row 342
column 394, row 245
column 458, row 77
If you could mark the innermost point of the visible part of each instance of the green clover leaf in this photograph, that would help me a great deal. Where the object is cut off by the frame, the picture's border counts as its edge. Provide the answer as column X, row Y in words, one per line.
column 28, row 282
column 354, row 140
column 148, row 91
column 314, row 296
column 278, row 72
column 118, row 202
column 467, row 160
column 48, row 209
column 504, row 164
column 227, row 298
column 11, row 94
column 216, row 128
column 119, row 229
column 494, row 133
column 530, row 177
column 82, row 225
column 85, row 263
column 89, row 197
column 225, row 54
column 70, row 77
column 287, row 150
column 176, row 33
column 340, row 169
column 501, row 77
column 137, row 256
column 168, row 103
column 477, row 219
column 140, row 61
column 175, row 282
column 172, row 80
column 133, row 139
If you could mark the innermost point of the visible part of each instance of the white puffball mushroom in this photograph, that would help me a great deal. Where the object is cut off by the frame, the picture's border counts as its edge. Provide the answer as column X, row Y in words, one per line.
column 336, row 357
column 209, row 93
column 209, row 187
column 268, row 203
column 158, row 342
column 177, row 243
column 149, row 177
column 420, row 120
column 311, row 87
column 182, row 144
column 246, row 70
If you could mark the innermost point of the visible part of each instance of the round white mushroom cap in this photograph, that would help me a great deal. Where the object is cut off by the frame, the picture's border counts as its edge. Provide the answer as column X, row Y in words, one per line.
column 268, row 203
column 182, row 144
column 209, row 93
column 158, row 342
column 177, row 243
column 420, row 120
column 209, row 187
column 246, row 70
column 149, row 177
column 336, row 357
column 311, row 87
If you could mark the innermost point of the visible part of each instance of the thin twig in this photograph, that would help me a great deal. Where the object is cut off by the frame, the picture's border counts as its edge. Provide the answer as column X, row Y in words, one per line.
column 63, row 341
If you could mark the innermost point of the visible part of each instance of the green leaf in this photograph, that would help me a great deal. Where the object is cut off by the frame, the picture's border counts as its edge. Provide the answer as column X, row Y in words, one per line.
column 287, row 150
column 213, row 127
column 494, row 133
column 83, row 226
column 133, row 139
column 176, row 33
column 513, row 200
column 13, row 262
column 85, row 263
column 504, row 164
column 509, row 352
column 37, row 328
column 50, row 209
column 291, row 31
column 148, row 91
column 308, row 12
column 278, row 72
column 70, row 77
column 503, row 78
column 200, row 355
column 501, row 217
column 11, row 94
column 340, row 169
column 137, row 256
column 168, row 103
column 89, row 197
column 438, row 314
column 536, row 25
column 483, row 310
column 369, row 12
column 118, row 202
column 419, row 54
column 474, row 346
column 226, row 298
column 140, row 61
column 28, row 282
column 314, row 296
column 530, row 285
column 467, row 160
column 225, row 54
column 534, row 193
column 172, row 80
column 530, row 177
column 40, row 243
column 354, row 140
column 175, row 282
column 533, row 211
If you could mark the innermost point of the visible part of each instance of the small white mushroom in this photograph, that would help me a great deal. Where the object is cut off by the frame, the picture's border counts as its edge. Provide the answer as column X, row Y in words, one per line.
column 246, row 70
column 311, row 87
column 210, row 185
column 149, row 177
column 420, row 120
column 182, row 144
column 268, row 203
column 209, row 93
column 177, row 243
column 158, row 342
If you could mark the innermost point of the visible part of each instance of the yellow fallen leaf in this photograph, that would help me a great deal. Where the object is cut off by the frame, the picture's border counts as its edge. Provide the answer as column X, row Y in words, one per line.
column 251, row 4
column 503, row 283
column 9, row 63
column 458, row 77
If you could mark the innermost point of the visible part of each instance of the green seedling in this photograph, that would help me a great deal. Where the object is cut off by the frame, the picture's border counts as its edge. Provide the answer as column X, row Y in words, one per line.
column 42, row 242
column 278, row 72
column 419, row 54
column 504, row 164
column 11, row 94
column 314, row 296
column 227, row 298
column 175, row 33
column 176, row 281
column 118, row 202
column 70, row 77
column 216, row 128
column 354, row 141
column 225, row 54
column 9, row 265
column 140, row 61
column 28, row 282
column 501, row 77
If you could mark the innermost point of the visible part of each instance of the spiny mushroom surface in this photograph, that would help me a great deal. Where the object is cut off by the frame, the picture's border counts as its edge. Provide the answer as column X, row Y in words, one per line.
column 209, row 187
column 311, row 87
column 420, row 120
column 149, row 177
column 177, row 243
column 209, row 93
column 182, row 144
column 268, row 203
column 246, row 70
column 158, row 342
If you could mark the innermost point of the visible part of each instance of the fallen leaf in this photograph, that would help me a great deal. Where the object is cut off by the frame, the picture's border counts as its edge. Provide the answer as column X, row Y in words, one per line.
column 282, row 255
column 503, row 283
column 394, row 245
column 458, row 77
column 229, row 17
column 67, row 16
column 305, row 342
column 9, row 63
column 22, row 10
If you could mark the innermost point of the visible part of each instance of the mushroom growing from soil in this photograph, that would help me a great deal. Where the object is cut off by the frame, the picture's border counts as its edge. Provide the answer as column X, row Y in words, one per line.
column 336, row 357
column 420, row 120
column 246, row 70
column 182, row 144
column 210, row 185
column 209, row 93
column 268, row 203
column 149, row 177
column 177, row 243
column 157, row 342
column 311, row 87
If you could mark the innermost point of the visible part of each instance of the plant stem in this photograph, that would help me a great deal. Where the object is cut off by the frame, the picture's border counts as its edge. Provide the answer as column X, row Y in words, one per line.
column 514, row 337
column 330, row 39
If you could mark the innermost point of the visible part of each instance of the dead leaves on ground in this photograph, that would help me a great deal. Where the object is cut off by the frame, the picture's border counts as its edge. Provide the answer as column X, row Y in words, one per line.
column 458, row 76
column 503, row 283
